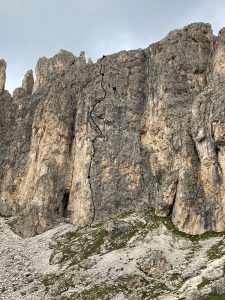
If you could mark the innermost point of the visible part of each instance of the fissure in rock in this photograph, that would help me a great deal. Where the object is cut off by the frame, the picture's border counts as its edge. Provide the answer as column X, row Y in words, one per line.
column 71, row 131
column 65, row 202
column 100, row 134
column 174, row 199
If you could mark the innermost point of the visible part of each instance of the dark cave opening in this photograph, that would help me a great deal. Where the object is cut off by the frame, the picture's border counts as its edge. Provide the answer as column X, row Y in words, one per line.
column 65, row 202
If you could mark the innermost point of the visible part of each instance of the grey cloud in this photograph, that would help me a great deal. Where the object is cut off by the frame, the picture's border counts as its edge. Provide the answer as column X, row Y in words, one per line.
column 34, row 28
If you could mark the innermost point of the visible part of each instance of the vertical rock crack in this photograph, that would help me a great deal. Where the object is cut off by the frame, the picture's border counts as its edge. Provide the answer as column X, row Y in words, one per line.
column 100, row 134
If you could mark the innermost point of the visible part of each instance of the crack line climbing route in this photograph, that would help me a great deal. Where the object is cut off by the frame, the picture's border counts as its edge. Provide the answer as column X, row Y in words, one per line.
column 100, row 134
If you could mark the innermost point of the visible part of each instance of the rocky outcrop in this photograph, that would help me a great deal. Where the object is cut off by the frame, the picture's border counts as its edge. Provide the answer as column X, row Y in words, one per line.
column 2, row 75
column 138, row 129
column 28, row 82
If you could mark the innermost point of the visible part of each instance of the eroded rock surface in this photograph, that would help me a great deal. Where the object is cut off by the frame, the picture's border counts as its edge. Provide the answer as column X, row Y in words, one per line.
column 137, row 129
column 28, row 82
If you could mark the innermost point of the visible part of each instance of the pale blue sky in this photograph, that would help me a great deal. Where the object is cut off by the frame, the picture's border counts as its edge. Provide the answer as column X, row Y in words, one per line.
column 34, row 28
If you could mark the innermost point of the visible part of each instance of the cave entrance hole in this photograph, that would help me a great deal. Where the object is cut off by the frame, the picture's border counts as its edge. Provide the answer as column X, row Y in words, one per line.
column 65, row 202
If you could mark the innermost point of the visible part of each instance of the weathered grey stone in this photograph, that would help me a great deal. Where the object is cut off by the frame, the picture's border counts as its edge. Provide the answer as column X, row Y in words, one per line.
column 2, row 75
column 94, row 263
column 19, row 93
column 28, row 82
column 141, row 128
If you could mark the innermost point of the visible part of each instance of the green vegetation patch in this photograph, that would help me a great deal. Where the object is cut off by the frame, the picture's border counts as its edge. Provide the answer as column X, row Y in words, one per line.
column 193, row 249
column 107, row 290
column 119, row 239
column 78, row 246
column 175, row 276
column 215, row 297
column 155, row 221
column 216, row 251
column 86, row 242
column 204, row 282
column 136, row 284
column 155, row 290
column 57, row 284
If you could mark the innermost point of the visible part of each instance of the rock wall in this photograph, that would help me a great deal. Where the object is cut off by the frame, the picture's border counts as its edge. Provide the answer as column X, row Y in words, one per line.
column 138, row 129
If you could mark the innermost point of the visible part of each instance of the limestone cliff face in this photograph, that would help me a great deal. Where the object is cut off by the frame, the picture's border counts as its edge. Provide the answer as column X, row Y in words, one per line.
column 137, row 129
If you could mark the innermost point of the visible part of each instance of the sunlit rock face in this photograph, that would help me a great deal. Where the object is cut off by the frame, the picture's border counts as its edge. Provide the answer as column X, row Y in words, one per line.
column 137, row 129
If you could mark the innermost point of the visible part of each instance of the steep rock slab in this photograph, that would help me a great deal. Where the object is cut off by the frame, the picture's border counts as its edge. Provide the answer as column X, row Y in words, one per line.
column 181, row 69
column 205, row 209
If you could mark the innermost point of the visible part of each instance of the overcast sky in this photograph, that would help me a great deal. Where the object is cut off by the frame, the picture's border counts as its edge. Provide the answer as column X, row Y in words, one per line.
column 34, row 28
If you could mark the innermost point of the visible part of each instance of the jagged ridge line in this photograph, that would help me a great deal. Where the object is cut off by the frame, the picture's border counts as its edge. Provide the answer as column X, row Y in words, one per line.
column 94, row 140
